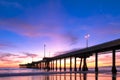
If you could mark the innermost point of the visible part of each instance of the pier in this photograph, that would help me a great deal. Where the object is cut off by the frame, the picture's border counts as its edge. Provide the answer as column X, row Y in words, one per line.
column 50, row 63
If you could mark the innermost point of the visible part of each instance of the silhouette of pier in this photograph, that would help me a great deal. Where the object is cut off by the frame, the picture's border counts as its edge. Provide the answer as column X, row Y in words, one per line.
column 50, row 63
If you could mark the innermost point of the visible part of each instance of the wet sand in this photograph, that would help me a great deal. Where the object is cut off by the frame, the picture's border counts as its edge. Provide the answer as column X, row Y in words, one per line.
column 62, row 76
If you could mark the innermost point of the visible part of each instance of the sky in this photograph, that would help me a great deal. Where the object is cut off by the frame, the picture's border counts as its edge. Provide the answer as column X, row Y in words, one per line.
column 27, row 25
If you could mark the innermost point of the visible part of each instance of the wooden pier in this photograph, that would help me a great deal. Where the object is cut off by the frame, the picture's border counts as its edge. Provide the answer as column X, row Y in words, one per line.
column 50, row 63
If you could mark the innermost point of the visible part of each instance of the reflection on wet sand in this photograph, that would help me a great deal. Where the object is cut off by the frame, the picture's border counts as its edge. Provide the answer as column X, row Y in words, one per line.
column 96, row 76
column 64, row 76
column 79, row 76
column 46, row 77
column 70, row 76
column 84, row 76
column 113, row 76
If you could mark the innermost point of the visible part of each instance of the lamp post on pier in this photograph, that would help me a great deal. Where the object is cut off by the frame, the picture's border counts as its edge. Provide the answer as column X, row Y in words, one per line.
column 86, row 37
column 44, row 50
column 85, row 68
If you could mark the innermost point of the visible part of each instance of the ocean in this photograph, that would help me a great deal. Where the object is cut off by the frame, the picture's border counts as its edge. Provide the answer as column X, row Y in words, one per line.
column 36, row 74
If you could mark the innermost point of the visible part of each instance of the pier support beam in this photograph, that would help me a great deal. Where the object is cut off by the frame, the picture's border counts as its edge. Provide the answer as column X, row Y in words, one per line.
column 44, row 65
column 114, row 70
column 47, row 66
column 64, row 64
column 56, row 64
column 70, row 63
column 53, row 65
column 80, row 64
column 75, row 69
column 96, row 62
column 37, row 66
column 84, row 65
column 50, row 65
column 40, row 65
column 60, row 64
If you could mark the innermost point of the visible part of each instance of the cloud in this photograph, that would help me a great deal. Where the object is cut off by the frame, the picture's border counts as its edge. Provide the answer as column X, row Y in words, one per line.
column 7, row 55
column 109, row 29
column 118, row 54
column 64, row 52
column 59, row 53
column 8, row 58
column 49, row 25
column 18, row 26
column 22, row 57
column 2, row 45
column 30, row 54
column 27, row 29
column 9, row 61
column 71, row 38
column 102, row 25
column 5, row 45
column 107, row 58
column 40, row 30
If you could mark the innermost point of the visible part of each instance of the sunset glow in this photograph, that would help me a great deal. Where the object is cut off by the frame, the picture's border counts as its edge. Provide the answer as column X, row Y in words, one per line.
column 25, row 26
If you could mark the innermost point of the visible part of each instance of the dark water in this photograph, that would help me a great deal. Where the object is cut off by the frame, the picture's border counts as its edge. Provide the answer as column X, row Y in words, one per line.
column 57, row 76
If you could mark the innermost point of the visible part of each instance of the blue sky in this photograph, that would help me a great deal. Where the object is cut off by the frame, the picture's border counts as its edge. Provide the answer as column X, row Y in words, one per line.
column 26, row 25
